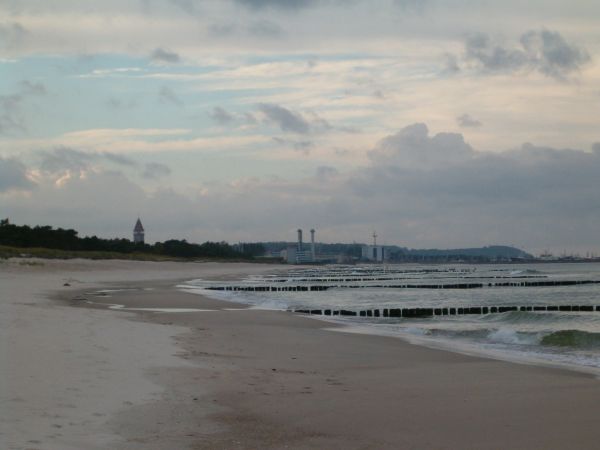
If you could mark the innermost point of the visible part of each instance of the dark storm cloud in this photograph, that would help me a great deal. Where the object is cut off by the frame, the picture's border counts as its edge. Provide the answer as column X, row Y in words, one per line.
column 167, row 96
column 155, row 170
column 544, row 51
column 13, row 176
column 286, row 120
column 466, row 121
column 161, row 55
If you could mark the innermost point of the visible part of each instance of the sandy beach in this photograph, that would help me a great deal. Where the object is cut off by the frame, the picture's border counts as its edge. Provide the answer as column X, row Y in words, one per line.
column 77, row 375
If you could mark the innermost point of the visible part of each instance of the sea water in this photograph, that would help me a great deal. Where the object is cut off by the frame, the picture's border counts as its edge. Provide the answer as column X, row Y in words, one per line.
column 571, row 338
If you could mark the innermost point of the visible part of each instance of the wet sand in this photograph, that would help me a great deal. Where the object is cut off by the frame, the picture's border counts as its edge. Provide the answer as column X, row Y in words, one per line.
column 229, row 378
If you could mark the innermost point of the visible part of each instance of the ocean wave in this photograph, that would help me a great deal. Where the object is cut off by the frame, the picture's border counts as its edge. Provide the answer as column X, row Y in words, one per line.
column 572, row 338
column 510, row 336
column 540, row 317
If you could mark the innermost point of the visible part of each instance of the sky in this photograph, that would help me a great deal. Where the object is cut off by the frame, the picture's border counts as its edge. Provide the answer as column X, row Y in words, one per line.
column 435, row 123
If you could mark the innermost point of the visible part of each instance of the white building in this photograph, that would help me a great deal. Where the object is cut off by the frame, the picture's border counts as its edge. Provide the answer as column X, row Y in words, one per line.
column 377, row 253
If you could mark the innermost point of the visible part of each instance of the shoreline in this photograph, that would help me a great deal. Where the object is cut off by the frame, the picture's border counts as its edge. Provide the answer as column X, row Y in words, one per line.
column 249, row 378
column 259, row 400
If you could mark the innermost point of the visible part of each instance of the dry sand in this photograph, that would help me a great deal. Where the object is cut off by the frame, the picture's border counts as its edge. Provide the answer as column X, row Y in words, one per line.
column 65, row 371
column 86, row 377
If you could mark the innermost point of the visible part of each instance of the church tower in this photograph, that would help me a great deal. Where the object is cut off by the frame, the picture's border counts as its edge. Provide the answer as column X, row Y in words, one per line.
column 138, row 232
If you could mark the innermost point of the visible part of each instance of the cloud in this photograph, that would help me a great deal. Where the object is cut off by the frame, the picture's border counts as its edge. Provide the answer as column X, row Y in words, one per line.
column 413, row 147
column 325, row 173
column 12, row 35
column 265, row 29
column 451, row 65
column 189, row 6
column 534, row 197
column 13, row 176
column 154, row 171
column 29, row 88
column 65, row 158
column 286, row 120
column 122, row 104
column 11, row 116
column 221, row 116
column 118, row 159
column 64, row 163
column 308, row 122
column 466, row 121
column 413, row 5
column 544, row 51
column 553, row 55
column 167, row 96
column 163, row 56
column 303, row 146
column 281, row 4
column 61, row 159
column 300, row 146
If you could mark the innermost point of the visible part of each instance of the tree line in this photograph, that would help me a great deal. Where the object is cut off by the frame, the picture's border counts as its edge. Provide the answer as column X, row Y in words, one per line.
column 24, row 236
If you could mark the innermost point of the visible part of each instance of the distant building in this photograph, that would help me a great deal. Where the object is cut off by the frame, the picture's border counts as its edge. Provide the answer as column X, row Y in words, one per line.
column 138, row 232
column 297, row 254
column 377, row 253
column 293, row 256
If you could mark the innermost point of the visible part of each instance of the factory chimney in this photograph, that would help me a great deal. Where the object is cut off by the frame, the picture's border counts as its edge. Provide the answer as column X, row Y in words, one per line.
column 312, row 244
column 299, row 240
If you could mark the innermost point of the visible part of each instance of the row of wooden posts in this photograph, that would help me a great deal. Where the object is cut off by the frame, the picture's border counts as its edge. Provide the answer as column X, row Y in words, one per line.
column 452, row 311
column 323, row 287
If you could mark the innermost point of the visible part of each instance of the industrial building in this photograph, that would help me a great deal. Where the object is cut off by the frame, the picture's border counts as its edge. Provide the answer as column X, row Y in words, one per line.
column 375, row 253
column 298, row 254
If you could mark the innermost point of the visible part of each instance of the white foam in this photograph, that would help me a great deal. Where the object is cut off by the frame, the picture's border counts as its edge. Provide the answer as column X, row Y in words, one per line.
column 510, row 336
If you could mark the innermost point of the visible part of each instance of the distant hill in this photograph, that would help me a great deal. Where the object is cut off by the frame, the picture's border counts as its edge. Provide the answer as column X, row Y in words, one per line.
column 492, row 252
column 404, row 254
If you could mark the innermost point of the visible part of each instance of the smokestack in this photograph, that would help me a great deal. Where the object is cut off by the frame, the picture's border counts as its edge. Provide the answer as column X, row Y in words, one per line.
column 312, row 244
column 299, row 240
